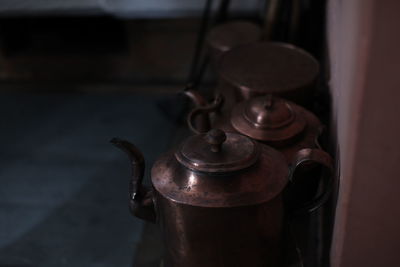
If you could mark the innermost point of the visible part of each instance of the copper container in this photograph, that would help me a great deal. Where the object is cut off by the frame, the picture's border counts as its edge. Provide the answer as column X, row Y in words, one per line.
column 275, row 122
column 218, row 199
column 226, row 36
column 269, row 68
column 271, row 120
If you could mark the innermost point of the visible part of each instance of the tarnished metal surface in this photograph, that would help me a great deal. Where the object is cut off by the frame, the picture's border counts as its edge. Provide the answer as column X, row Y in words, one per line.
column 202, row 122
column 269, row 68
column 246, row 236
column 213, row 214
column 217, row 152
column 258, row 183
column 271, row 120
column 283, row 125
column 140, row 198
column 199, row 118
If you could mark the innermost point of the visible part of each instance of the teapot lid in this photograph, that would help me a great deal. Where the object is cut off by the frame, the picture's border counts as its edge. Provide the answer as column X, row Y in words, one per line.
column 217, row 152
column 268, row 118
column 219, row 169
column 268, row 67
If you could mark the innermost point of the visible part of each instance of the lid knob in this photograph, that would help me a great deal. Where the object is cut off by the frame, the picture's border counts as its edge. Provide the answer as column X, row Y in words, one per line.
column 268, row 118
column 268, row 102
column 215, row 138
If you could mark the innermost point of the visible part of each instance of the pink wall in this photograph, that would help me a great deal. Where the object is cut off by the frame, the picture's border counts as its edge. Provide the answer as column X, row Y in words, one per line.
column 364, row 43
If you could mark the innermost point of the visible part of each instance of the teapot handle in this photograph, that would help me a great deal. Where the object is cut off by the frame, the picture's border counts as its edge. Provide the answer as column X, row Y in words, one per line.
column 320, row 131
column 140, row 198
column 318, row 156
column 204, row 126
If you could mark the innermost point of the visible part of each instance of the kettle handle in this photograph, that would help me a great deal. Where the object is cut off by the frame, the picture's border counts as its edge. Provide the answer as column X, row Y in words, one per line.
column 318, row 156
column 140, row 198
column 320, row 131
column 204, row 111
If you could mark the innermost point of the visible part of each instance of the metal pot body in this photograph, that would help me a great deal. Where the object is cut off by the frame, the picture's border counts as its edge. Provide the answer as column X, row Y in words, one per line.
column 248, row 236
column 218, row 199
column 221, row 219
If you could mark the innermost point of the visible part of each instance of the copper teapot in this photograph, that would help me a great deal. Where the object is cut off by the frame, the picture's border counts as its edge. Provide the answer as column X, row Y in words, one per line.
column 218, row 199
column 269, row 119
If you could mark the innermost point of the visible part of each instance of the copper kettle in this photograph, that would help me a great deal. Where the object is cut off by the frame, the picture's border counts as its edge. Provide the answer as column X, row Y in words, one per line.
column 218, row 199
column 269, row 119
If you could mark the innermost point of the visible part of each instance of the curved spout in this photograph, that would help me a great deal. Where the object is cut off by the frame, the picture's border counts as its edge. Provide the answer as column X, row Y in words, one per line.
column 197, row 99
column 203, row 113
column 140, row 198
column 201, row 121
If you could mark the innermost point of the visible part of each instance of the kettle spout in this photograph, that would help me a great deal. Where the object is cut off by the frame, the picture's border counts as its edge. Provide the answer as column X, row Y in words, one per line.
column 140, row 198
column 202, row 121
column 197, row 99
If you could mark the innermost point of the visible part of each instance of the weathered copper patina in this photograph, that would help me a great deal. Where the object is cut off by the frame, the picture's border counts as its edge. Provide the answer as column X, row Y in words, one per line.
column 219, row 199
column 271, row 120
column 269, row 68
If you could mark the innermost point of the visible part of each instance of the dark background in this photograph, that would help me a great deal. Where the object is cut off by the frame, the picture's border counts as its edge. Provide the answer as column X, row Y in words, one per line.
column 71, row 78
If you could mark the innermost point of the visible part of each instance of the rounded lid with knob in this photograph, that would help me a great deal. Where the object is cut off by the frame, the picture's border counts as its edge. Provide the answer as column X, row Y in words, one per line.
column 268, row 118
column 219, row 169
column 217, row 151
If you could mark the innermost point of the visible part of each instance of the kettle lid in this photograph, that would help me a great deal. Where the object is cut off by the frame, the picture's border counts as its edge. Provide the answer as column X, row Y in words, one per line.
column 217, row 152
column 219, row 169
column 268, row 118
column 268, row 67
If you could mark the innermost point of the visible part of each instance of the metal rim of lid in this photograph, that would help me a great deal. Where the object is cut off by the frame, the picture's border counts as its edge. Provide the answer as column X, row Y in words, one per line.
column 284, row 130
column 225, row 70
column 238, row 152
column 271, row 112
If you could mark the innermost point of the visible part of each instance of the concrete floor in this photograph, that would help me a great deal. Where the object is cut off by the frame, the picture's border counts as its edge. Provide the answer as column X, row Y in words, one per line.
column 63, row 187
column 64, row 199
